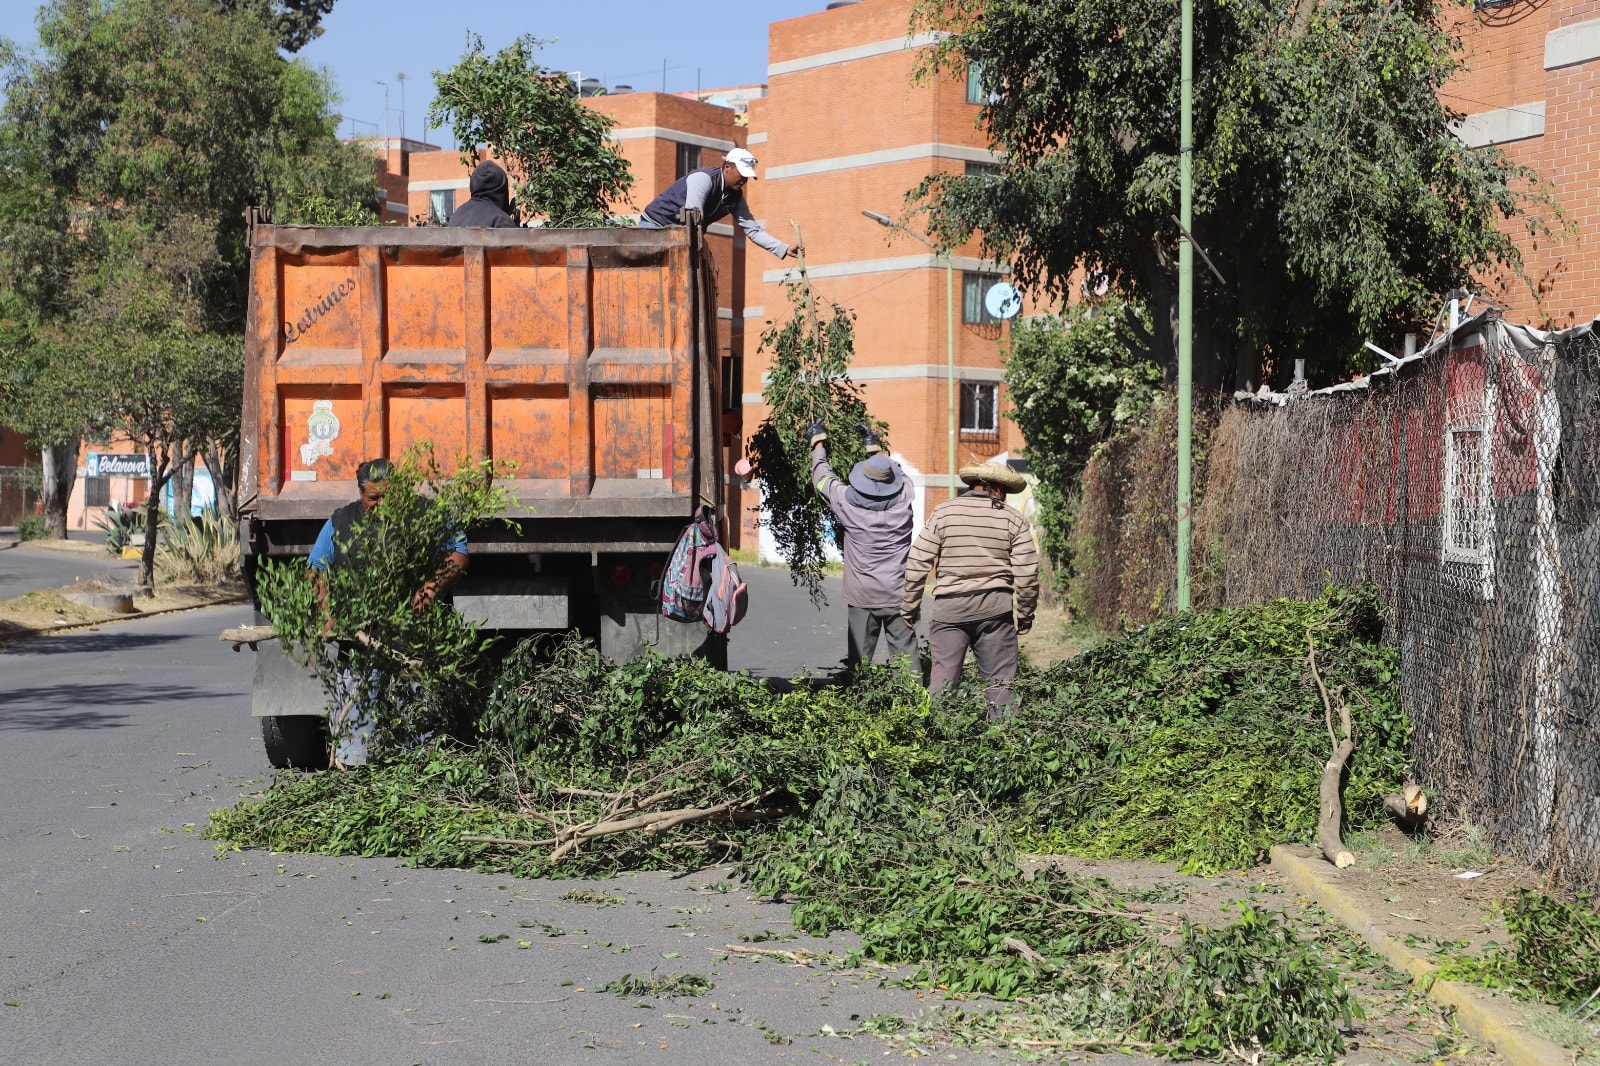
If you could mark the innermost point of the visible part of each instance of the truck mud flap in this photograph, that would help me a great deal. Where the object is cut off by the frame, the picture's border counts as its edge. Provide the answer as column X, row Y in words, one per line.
column 626, row 635
column 284, row 687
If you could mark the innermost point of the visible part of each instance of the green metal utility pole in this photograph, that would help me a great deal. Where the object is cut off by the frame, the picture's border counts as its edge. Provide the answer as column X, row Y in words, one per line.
column 1185, row 300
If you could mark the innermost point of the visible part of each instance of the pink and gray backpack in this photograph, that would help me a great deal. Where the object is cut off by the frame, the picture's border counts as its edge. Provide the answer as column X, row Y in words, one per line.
column 688, row 573
column 701, row 582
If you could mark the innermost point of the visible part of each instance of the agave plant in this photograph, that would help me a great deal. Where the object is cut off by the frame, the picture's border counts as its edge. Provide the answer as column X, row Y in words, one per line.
column 204, row 551
column 119, row 524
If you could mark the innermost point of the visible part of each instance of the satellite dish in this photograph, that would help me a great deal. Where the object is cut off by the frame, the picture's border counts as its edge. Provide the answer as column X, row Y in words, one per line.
column 1003, row 300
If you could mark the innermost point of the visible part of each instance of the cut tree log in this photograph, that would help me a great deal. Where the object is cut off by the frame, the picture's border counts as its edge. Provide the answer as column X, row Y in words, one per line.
column 1409, row 806
column 1330, row 818
column 251, row 635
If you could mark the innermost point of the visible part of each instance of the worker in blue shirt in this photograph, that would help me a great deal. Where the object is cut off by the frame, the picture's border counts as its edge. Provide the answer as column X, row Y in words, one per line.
column 341, row 543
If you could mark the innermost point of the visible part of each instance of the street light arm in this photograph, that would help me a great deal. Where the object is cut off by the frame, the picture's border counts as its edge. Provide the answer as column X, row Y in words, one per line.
column 889, row 223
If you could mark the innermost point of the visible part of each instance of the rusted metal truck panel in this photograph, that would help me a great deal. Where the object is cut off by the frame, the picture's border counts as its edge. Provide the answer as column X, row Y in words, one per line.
column 580, row 357
column 583, row 359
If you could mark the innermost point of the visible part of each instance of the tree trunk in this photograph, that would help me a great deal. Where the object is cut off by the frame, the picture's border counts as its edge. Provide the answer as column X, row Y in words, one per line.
column 223, row 471
column 183, row 488
column 160, row 474
column 60, row 462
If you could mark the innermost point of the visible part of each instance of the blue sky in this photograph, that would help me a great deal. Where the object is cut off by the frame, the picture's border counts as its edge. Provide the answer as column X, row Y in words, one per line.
column 620, row 41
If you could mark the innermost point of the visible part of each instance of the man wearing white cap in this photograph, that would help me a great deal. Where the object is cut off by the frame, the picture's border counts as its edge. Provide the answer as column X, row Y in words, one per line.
column 715, row 192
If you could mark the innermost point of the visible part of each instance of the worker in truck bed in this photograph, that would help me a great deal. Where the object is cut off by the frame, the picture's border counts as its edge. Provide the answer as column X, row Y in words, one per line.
column 716, row 192
column 490, row 206
column 345, row 540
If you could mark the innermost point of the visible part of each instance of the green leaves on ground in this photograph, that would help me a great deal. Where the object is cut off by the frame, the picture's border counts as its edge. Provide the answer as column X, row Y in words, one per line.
column 808, row 380
column 660, row 985
column 875, row 808
column 1201, row 739
column 1554, row 954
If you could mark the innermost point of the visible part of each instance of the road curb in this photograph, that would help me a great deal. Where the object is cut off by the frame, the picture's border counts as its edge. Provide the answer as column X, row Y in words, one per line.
column 1494, row 1021
column 23, row 634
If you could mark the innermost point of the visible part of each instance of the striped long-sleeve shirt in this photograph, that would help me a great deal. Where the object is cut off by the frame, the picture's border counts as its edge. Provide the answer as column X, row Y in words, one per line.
column 979, row 548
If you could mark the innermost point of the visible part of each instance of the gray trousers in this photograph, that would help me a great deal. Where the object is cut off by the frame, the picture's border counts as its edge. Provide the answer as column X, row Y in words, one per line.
column 866, row 623
column 994, row 644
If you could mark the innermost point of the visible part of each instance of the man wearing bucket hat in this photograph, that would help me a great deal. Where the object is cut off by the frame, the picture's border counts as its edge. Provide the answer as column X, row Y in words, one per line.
column 715, row 192
column 986, row 558
column 873, row 507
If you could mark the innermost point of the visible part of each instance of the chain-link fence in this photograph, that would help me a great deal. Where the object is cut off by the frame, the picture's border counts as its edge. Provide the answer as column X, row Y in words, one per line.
column 1465, row 482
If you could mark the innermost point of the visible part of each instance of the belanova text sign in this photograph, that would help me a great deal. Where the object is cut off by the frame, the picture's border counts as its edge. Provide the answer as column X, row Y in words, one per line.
column 100, row 465
column 293, row 331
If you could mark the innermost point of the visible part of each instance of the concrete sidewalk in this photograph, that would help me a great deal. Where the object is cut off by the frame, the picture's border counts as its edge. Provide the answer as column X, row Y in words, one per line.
column 1494, row 1020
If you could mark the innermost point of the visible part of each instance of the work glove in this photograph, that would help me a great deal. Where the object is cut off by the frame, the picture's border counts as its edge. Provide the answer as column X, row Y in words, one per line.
column 871, row 439
column 817, row 432
column 1024, row 624
column 689, row 216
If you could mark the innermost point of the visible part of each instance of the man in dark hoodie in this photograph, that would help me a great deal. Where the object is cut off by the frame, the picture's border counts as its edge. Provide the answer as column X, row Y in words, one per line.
column 490, row 206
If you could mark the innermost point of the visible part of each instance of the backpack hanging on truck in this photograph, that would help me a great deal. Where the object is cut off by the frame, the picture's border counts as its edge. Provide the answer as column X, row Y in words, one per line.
column 702, row 582
column 727, row 596
column 686, row 581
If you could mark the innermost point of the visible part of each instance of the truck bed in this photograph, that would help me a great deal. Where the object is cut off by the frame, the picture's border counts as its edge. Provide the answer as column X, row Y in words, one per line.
column 585, row 358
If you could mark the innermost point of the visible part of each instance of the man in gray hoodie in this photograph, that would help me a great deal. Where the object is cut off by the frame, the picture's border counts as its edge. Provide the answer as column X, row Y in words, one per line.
column 874, row 509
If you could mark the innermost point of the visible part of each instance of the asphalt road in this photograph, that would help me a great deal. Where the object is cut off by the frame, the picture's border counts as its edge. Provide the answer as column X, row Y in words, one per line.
column 28, row 568
column 129, row 939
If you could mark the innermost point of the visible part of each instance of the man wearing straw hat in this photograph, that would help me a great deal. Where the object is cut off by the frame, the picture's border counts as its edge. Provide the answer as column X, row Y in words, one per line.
column 986, row 558
column 874, row 509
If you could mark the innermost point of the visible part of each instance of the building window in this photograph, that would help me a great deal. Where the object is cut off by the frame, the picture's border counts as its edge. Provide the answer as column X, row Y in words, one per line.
column 97, row 492
column 441, row 205
column 974, row 287
column 976, row 169
column 980, row 407
column 1467, row 496
column 688, row 158
column 975, row 93
column 732, row 383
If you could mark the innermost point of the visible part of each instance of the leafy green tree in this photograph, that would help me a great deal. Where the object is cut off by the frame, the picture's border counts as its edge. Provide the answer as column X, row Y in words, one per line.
column 556, row 151
column 297, row 22
column 130, row 148
column 1329, row 189
column 1074, row 379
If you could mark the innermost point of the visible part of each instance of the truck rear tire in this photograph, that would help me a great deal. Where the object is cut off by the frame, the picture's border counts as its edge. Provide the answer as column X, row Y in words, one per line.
column 296, row 741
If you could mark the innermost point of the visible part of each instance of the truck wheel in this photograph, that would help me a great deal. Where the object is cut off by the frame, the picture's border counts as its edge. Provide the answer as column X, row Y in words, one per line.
column 297, row 741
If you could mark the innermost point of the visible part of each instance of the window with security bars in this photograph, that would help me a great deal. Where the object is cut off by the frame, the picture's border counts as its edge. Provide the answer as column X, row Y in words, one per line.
column 688, row 159
column 980, row 408
column 97, row 492
column 1466, row 495
column 441, row 205
column 974, row 287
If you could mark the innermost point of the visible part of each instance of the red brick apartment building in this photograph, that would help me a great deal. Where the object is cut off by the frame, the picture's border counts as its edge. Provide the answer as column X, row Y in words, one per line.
column 844, row 127
column 1533, row 87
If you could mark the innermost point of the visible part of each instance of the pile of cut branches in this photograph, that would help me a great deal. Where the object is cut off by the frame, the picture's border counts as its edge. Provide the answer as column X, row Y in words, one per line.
column 875, row 808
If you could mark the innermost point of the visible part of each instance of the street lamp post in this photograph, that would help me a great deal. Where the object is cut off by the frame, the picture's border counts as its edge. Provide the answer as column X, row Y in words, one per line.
column 949, row 339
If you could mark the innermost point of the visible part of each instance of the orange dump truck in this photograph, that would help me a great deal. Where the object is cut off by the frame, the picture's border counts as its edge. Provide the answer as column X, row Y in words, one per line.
column 584, row 358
